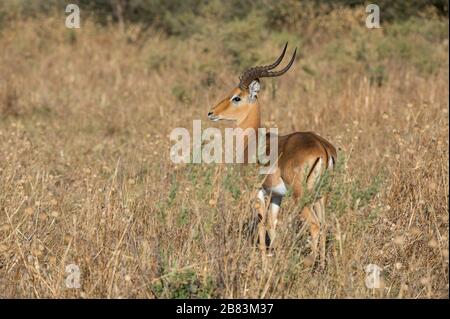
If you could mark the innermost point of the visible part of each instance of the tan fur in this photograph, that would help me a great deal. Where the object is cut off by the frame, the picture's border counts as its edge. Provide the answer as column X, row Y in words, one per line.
column 302, row 156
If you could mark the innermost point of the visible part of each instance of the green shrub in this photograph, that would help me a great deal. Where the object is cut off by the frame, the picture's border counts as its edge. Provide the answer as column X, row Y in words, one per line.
column 184, row 285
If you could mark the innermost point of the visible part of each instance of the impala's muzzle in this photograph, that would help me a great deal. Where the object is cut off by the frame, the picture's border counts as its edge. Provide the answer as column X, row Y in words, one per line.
column 212, row 117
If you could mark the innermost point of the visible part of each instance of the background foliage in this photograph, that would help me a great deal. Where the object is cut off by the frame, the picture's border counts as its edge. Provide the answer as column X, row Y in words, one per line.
column 85, row 176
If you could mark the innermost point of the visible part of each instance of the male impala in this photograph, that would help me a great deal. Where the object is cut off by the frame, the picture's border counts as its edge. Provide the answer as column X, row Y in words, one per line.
column 302, row 156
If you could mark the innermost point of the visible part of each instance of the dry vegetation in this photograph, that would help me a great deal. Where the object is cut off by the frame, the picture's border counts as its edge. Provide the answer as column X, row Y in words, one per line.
column 85, row 176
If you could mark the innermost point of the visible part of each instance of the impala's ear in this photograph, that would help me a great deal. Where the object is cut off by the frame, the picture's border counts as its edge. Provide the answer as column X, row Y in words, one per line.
column 254, row 88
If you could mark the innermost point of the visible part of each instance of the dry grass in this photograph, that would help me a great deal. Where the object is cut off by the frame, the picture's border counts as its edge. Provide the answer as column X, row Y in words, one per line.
column 85, row 176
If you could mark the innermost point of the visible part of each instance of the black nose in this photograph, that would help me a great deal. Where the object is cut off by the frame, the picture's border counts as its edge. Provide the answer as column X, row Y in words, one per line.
column 210, row 113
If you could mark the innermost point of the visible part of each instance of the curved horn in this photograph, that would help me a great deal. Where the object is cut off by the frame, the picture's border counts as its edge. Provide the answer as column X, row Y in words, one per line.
column 283, row 71
column 263, row 71
column 278, row 61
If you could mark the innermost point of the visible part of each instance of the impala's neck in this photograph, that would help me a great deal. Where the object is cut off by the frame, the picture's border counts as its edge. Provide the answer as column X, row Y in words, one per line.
column 251, row 121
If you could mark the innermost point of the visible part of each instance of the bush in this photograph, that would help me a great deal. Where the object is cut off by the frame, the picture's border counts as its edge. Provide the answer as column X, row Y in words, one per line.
column 179, row 17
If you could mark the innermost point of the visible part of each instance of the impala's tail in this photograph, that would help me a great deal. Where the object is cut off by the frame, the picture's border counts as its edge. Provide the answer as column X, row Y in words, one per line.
column 330, row 150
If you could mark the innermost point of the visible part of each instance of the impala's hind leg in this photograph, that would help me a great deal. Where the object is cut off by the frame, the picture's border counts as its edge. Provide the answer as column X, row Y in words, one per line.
column 310, row 217
column 311, row 213
column 319, row 209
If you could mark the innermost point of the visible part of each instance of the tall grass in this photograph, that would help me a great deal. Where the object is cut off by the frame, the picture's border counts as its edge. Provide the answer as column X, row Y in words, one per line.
column 85, row 175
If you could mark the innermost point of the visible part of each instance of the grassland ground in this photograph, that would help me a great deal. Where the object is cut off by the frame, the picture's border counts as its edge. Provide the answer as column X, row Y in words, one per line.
column 85, row 175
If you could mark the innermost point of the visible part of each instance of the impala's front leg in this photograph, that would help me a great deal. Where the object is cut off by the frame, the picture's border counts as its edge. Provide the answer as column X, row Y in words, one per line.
column 277, row 188
column 275, row 204
column 262, row 212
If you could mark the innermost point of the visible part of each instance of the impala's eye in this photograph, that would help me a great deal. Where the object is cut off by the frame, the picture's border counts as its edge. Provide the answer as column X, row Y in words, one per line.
column 236, row 99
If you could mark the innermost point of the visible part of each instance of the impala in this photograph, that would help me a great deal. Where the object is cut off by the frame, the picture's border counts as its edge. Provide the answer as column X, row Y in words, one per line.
column 303, row 158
